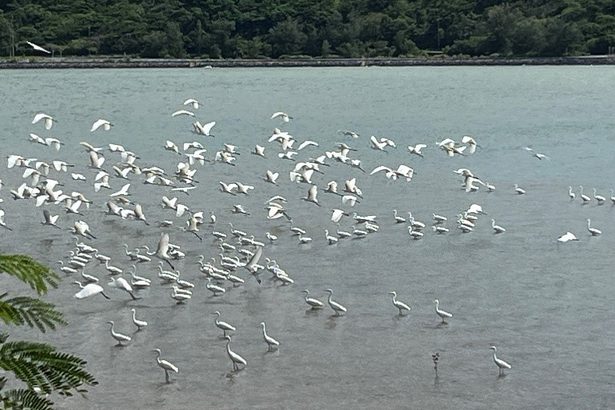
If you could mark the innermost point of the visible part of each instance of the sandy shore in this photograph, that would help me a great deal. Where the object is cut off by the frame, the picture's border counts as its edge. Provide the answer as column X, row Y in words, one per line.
column 125, row 62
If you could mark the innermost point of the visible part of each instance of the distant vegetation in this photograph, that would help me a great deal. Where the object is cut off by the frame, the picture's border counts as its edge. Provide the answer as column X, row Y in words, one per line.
column 315, row 28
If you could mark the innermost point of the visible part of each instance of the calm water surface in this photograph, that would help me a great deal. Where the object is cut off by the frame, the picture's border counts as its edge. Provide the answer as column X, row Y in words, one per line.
column 547, row 306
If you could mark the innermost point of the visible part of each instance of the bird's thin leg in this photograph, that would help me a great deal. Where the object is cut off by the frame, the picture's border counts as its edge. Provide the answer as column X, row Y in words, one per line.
column 166, row 376
column 133, row 296
column 198, row 236
column 170, row 264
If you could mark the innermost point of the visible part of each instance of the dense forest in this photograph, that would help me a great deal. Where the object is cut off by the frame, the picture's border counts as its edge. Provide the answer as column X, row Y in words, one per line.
column 315, row 28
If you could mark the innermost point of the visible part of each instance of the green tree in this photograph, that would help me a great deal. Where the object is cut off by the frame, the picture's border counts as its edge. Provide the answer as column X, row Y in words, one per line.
column 39, row 366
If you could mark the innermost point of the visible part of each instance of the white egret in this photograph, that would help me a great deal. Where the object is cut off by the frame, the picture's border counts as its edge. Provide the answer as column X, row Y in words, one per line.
column 398, row 304
column 519, row 190
column 499, row 362
column 118, row 336
column 235, row 358
column 416, row 150
column 571, row 194
column 183, row 112
column 593, row 231
column 568, row 236
column 140, row 324
column 226, row 327
column 50, row 219
column 313, row 302
column 584, row 197
column 192, row 102
column 285, row 117
column 443, row 314
column 106, row 125
column 496, row 228
column 215, row 289
column 48, row 120
column 271, row 342
column 599, row 198
column 90, row 289
column 203, row 129
column 38, row 48
column 122, row 284
column 338, row 308
column 165, row 365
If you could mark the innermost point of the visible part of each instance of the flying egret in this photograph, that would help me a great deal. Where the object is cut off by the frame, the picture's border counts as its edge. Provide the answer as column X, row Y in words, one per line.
column 140, row 324
column 90, row 289
column 271, row 342
column 183, row 112
column 416, row 150
column 165, row 365
column 398, row 304
column 235, row 358
column 48, row 120
column 443, row 314
column 118, row 336
column 106, row 125
column 203, row 129
column 122, row 284
column 499, row 362
column 338, row 308
column 285, row 117
column 192, row 102
column 38, row 48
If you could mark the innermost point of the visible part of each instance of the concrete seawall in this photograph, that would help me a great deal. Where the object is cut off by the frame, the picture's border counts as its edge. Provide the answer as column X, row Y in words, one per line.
column 123, row 62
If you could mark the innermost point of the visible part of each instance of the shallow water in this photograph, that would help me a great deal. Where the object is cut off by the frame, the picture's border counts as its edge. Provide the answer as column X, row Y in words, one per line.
column 545, row 305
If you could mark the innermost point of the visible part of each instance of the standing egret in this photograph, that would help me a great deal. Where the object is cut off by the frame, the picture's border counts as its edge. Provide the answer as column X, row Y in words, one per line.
column 599, row 198
column 571, row 194
column 223, row 325
column 519, row 190
column 593, row 231
column 497, row 228
column 334, row 305
column 584, row 197
column 499, row 362
column 443, row 314
column 138, row 323
column 235, row 358
column 118, row 336
column 165, row 365
column 271, row 342
column 314, row 303
column 399, row 305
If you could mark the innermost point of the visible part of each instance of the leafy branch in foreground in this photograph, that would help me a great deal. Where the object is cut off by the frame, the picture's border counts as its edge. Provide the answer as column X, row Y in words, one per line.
column 39, row 366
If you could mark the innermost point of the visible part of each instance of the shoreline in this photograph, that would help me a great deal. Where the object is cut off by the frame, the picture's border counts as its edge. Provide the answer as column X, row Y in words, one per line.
column 127, row 62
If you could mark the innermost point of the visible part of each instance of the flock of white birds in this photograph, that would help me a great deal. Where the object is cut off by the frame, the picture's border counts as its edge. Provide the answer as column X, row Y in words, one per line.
column 242, row 255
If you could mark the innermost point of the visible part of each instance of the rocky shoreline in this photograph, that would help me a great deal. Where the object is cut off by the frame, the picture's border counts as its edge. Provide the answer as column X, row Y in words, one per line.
column 126, row 62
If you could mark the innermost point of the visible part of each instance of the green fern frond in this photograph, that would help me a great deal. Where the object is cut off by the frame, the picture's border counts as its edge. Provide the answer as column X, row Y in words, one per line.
column 35, row 274
column 25, row 399
column 33, row 312
column 40, row 365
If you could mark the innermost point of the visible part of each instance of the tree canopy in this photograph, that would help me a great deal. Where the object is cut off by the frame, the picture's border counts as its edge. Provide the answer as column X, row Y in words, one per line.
column 39, row 366
column 274, row 29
